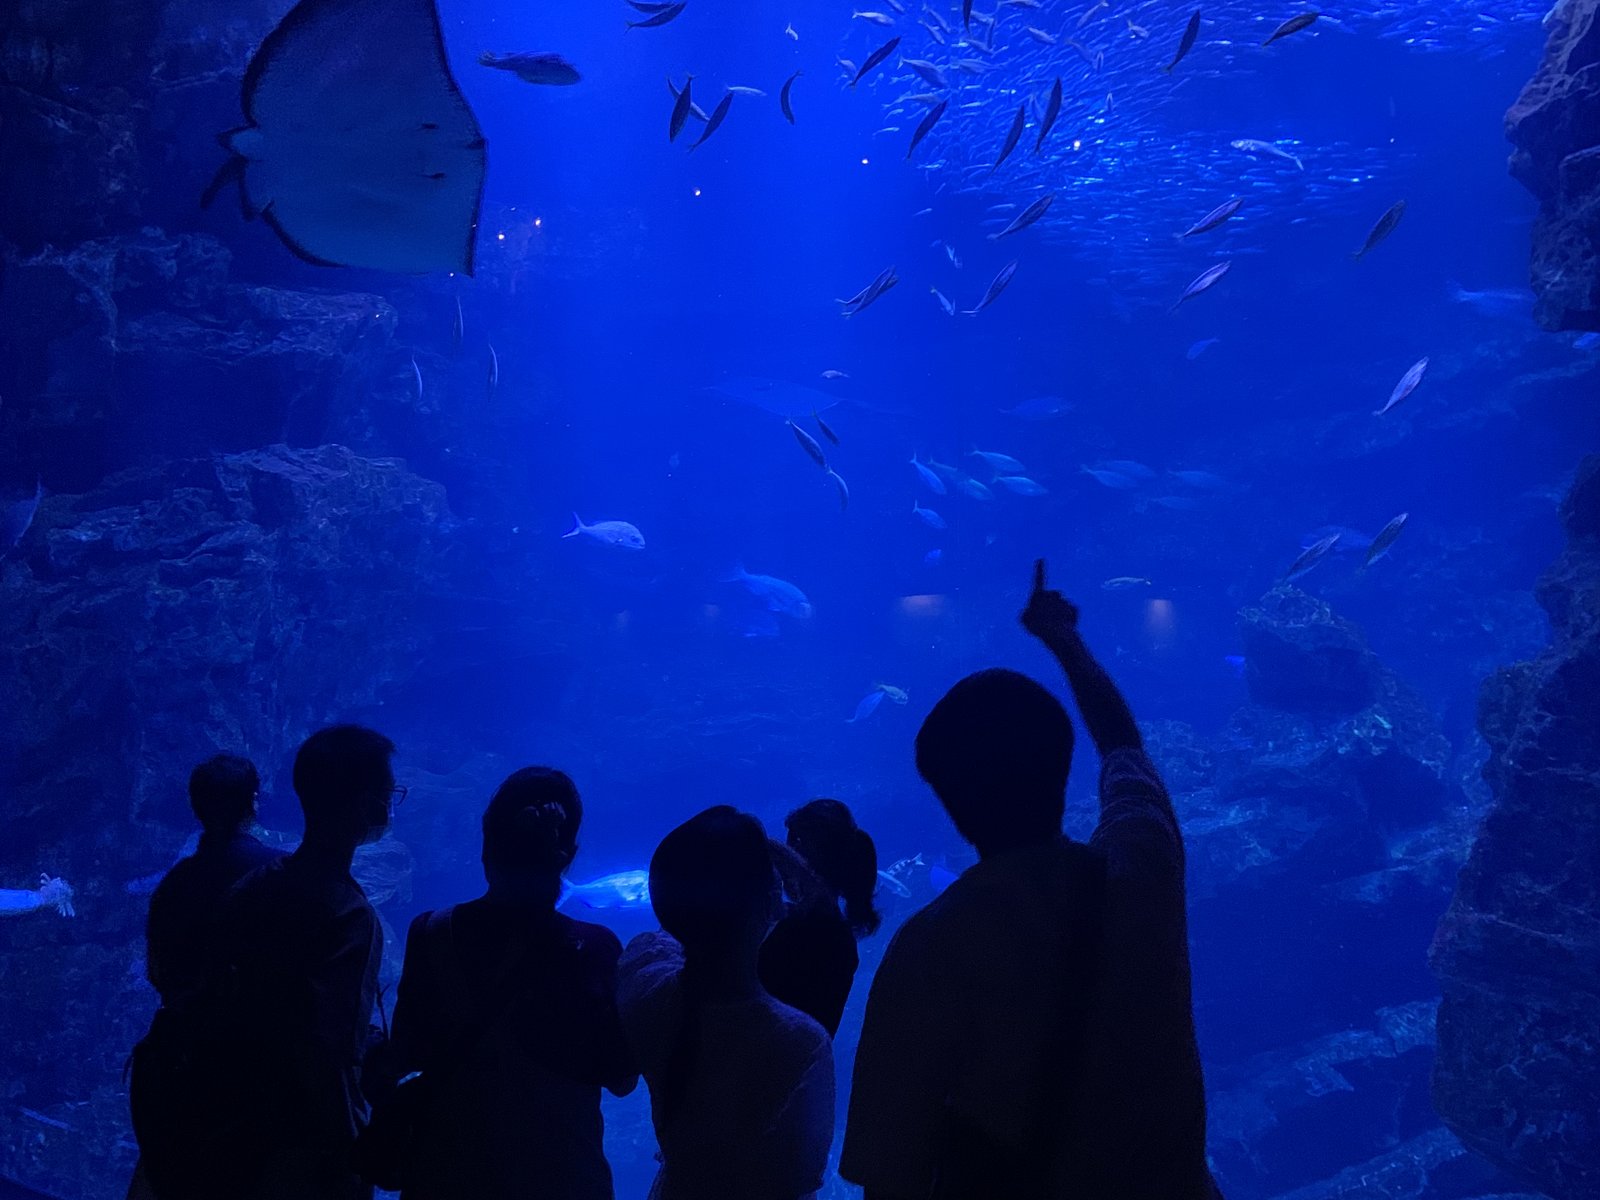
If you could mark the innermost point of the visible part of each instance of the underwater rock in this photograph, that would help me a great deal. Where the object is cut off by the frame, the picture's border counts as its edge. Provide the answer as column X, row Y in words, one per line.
column 1431, row 1166
column 1301, row 657
column 1555, row 127
column 1518, row 952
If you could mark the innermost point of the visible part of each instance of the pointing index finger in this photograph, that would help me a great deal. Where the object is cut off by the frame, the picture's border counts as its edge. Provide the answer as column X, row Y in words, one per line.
column 1038, row 576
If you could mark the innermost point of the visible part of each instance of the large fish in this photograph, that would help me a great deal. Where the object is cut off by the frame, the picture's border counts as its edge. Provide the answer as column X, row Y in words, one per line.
column 1012, row 137
column 550, row 69
column 619, row 534
column 928, row 122
column 1052, row 110
column 1382, row 229
column 1212, row 219
column 1386, row 538
column 779, row 595
column 862, row 299
column 670, row 13
column 625, row 889
column 1293, row 25
column 1026, row 217
column 1311, row 556
column 810, row 445
column 1190, row 32
column 995, row 288
column 876, row 57
column 1408, row 384
column 1256, row 146
column 680, row 109
column 1205, row 280
column 718, row 115
column 783, row 97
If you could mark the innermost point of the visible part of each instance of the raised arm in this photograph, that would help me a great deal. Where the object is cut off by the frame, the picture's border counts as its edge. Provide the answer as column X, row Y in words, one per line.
column 1053, row 619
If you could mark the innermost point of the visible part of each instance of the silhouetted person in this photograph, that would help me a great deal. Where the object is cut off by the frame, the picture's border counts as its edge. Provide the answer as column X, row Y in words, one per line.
column 509, row 1010
column 304, row 946
column 809, row 959
column 180, row 933
column 741, row 1086
column 181, row 963
column 1029, row 1033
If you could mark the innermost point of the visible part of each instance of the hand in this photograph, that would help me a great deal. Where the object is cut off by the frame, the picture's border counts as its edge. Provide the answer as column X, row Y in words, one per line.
column 1050, row 616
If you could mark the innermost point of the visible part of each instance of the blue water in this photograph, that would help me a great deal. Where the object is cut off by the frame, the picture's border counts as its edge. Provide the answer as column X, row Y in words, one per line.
column 644, row 304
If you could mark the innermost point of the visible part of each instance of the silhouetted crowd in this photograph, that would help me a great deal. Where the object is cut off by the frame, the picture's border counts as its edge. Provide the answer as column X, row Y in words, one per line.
column 1028, row 1033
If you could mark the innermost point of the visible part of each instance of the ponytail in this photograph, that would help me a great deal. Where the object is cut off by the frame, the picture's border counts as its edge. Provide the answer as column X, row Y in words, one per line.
column 826, row 834
column 859, row 882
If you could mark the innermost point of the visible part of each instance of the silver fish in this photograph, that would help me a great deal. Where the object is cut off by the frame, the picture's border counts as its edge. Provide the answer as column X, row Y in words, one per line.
column 548, row 69
column 1212, row 219
column 718, row 114
column 1202, row 282
column 1408, row 384
column 844, row 489
column 1190, row 32
column 928, row 122
column 995, row 288
column 876, row 57
column 809, row 445
column 1051, row 112
column 1311, row 556
column 680, row 109
column 1012, row 137
column 1026, row 217
column 1382, row 229
column 1386, row 538
column 783, row 97
column 494, row 371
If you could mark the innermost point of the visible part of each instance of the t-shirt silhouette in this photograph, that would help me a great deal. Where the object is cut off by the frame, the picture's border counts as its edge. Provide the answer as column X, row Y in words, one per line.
column 963, row 1024
column 754, row 1119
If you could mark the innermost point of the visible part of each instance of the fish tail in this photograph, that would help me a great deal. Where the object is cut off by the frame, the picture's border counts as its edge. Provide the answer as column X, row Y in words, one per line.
column 567, row 889
column 577, row 527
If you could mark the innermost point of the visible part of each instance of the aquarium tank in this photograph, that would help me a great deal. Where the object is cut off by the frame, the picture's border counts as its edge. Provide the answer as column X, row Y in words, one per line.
column 680, row 394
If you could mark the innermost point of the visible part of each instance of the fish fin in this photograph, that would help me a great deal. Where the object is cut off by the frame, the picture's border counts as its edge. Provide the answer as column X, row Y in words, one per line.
column 577, row 527
column 567, row 889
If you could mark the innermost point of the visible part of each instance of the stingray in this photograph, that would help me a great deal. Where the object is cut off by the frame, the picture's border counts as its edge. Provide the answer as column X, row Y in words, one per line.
column 358, row 148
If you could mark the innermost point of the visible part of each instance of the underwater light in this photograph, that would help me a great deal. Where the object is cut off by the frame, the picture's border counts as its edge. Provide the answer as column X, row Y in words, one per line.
column 863, row 160
column 1077, row 143
column 538, row 222
column 923, row 606
column 500, row 237
column 697, row 191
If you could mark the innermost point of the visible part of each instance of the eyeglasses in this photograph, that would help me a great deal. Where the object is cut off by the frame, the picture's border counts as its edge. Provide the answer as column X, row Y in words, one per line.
column 398, row 795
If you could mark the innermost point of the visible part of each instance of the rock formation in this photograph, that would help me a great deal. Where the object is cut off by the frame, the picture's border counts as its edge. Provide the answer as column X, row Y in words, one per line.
column 1555, row 127
column 1518, row 953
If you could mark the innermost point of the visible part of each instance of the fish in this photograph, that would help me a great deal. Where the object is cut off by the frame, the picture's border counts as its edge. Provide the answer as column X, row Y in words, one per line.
column 1311, row 556
column 835, row 375
column 928, row 517
column 1293, row 25
column 1205, row 280
column 944, row 302
column 459, row 329
column 417, row 371
column 549, row 69
column 927, row 70
column 368, row 156
column 1190, row 32
column 1110, row 479
column 619, row 534
column 779, row 595
column 745, row 91
column 897, row 695
column 844, row 489
column 1043, row 37
column 873, row 59
column 930, row 480
column 1408, row 384
column 652, row 6
column 494, row 371
column 680, row 109
column 1495, row 302
column 1126, row 466
column 1200, row 347
column 16, row 518
column 827, row 430
column 1350, row 540
column 1026, row 217
column 1386, row 538
column 966, row 14
column 1021, row 485
column 1586, row 341
column 1000, row 464
column 1040, row 408
column 928, row 122
column 1013, row 136
column 670, row 13
column 695, row 111
column 997, row 286
column 845, row 65
column 1052, row 110
column 869, row 705
column 788, row 32
column 625, row 889
column 864, row 298
column 1254, row 146
column 1121, row 583
column 1093, row 11
column 894, row 885
column 718, row 115
column 1212, row 219
column 784, row 101
column 876, row 18
column 1137, row 32
column 1381, row 230
column 809, row 445
column 950, row 253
